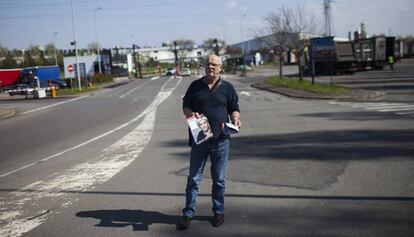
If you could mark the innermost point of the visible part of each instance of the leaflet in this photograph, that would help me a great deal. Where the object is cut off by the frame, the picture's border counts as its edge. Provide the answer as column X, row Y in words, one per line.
column 200, row 128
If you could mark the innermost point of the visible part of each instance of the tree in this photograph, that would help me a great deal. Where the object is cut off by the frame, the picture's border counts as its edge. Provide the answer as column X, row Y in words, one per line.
column 215, row 44
column 28, row 60
column 93, row 47
column 41, row 60
column 9, row 62
column 183, row 47
column 34, row 51
column 288, row 28
column 3, row 51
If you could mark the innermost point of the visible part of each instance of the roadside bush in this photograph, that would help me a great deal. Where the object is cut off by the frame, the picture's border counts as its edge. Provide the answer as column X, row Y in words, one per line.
column 101, row 77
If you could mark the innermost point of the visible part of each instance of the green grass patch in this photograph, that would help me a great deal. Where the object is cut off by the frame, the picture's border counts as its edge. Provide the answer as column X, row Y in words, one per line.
column 99, row 80
column 73, row 91
column 306, row 85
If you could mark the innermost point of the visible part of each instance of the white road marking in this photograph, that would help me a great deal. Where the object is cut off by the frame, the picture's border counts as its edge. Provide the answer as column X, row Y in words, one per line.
column 390, row 107
column 246, row 93
column 52, row 105
column 132, row 90
column 155, row 78
column 395, row 109
column 133, row 101
column 380, row 107
column 15, row 220
column 403, row 113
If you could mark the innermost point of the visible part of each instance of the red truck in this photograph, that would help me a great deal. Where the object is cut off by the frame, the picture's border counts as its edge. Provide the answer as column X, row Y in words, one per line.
column 9, row 77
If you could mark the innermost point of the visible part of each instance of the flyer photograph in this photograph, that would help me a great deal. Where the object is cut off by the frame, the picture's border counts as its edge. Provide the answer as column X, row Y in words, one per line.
column 200, row 128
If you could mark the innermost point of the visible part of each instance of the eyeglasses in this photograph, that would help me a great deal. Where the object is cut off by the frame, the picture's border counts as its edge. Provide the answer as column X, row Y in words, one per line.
column 212, row 65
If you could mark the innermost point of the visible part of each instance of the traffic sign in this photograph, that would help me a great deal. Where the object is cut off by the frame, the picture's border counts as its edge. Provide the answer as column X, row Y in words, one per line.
column 70, row 67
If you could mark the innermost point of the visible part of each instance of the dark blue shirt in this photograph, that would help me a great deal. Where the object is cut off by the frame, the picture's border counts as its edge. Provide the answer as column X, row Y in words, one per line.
column 216, row 104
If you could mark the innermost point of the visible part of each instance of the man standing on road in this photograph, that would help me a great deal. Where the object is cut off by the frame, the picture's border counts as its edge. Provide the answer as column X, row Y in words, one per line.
column 217, row 100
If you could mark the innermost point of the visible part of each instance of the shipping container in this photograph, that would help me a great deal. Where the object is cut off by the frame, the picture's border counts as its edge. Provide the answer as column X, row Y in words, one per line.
column 9, row 77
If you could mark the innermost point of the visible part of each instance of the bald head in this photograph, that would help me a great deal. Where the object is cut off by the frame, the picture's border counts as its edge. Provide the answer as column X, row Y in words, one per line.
column 213, row 67
column 214, row 58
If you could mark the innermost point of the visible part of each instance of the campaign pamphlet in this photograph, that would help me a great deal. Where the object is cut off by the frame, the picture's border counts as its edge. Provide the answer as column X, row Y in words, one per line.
column 200, row 128
column 230, row 128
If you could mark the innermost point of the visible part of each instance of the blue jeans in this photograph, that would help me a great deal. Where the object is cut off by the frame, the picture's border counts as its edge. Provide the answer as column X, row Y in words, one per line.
column 218, row 150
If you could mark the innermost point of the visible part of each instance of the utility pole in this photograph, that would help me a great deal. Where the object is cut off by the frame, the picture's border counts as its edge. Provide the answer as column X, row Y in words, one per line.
column 139, row 71
column 76, row 46
column 327, row 12
column 96, row 38
column 135, row 61
column 241, row 36
column 176, row 59
column 54, row 44
column 216, row 48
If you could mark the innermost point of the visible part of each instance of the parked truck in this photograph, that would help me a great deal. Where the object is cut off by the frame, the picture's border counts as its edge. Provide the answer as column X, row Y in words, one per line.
column 39, row 76
column 9, row 77
column 373, row 52
column 330, row 56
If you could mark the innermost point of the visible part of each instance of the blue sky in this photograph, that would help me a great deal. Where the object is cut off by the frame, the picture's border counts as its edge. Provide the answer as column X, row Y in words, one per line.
column 149, row 23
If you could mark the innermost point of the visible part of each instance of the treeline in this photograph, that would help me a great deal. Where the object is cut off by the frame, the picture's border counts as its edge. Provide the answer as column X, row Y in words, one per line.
column 35, row 56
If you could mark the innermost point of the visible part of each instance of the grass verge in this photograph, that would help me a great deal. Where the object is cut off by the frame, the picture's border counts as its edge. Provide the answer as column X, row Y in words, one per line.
column 99, row 80
column 306, row 85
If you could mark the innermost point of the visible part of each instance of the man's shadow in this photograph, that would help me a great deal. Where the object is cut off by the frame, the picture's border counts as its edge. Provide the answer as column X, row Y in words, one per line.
column 138, row 219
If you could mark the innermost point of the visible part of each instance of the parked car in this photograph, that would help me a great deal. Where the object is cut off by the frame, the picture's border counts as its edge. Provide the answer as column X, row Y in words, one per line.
column 185, row 72
column 170, row 71
column 19, row 89
column 61, row 83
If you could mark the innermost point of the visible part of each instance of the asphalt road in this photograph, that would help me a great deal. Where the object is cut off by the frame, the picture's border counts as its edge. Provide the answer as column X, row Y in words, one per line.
column 114, row 164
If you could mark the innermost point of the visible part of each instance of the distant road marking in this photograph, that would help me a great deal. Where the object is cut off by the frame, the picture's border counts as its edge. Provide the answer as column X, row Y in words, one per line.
column 132, row 90
column 155, row 78
column 52, row 105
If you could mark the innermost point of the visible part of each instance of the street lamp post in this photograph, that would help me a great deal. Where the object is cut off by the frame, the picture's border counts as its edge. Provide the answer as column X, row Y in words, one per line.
column 76, row 45
column 96, row 39
column 54, row 44
column 241, row 37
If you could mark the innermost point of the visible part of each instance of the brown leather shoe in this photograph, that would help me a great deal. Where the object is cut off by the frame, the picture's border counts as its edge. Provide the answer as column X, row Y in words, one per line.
column 218, row 220
column 185, row 223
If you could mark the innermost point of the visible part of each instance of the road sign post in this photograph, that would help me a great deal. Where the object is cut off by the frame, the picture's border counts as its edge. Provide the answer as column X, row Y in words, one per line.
column 278, row 51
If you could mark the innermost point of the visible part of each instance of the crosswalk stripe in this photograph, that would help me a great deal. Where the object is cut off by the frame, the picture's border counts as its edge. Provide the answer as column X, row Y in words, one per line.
column 380, row 107
column 403, row 113
column 395, row 109
column 391, row 107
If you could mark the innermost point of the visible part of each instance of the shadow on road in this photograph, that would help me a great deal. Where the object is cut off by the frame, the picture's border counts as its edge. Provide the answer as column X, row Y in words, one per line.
column 334, row 218
column 140, row 220
column 331, row 145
